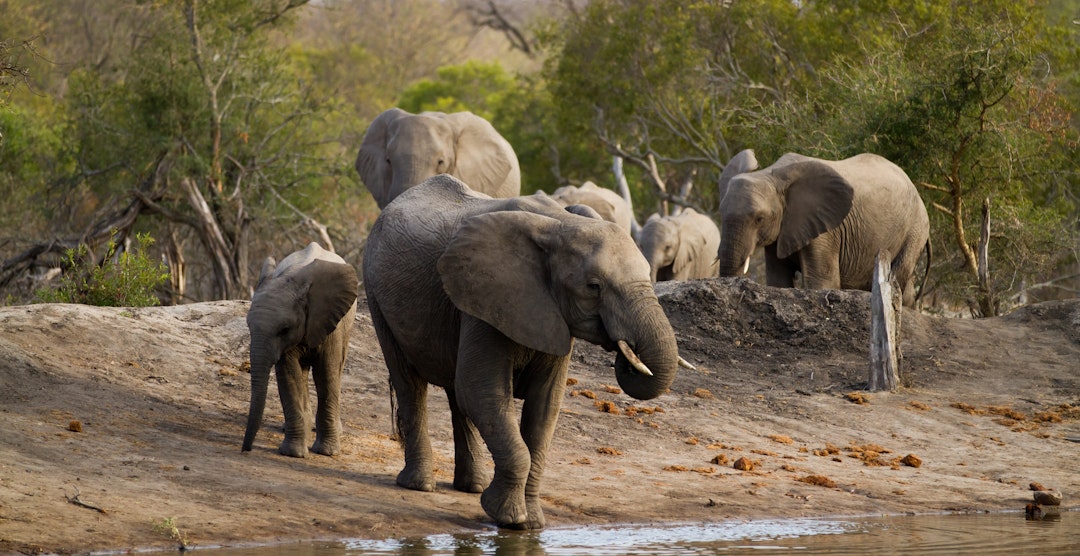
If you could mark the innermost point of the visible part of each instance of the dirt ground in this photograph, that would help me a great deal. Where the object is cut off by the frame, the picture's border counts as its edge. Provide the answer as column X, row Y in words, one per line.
column 139, row 414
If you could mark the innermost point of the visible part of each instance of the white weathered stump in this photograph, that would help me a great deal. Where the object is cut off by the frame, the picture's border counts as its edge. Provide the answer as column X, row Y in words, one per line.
column 885, row 308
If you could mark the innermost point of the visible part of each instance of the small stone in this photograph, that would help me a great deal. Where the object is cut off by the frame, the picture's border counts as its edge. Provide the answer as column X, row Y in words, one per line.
column 75, row 426
column 911, row 460
column 1047, row 498
column 744, row 464
column 1036, row 486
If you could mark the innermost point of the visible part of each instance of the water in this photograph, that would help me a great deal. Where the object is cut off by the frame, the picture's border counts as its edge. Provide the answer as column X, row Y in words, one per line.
column 1000, row 533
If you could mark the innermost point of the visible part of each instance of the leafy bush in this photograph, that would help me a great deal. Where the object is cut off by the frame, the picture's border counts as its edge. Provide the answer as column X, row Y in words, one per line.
column 124, row 280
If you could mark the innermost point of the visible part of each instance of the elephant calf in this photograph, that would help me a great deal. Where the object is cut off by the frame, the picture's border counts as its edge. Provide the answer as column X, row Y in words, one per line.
column 680, row 246
column 300, row 318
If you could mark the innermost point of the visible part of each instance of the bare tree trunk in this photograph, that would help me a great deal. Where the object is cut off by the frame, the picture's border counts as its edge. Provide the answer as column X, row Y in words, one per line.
column 987, row 306
column 174, row 257
column 209, row 232
column 885, row 308
column 624, row 190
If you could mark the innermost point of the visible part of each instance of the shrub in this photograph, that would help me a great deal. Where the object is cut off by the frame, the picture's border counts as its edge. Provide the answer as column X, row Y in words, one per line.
column 124, row 280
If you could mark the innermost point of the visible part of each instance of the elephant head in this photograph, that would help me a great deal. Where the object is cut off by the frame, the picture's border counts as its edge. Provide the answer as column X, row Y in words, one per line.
column 785, row 205
column 542, row 280
column 607, row 203
column 296, row 305
column 400, row 150
column 680, row 247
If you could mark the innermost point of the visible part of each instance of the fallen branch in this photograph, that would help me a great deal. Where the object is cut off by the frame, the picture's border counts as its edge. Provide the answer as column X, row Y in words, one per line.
column 75, row 500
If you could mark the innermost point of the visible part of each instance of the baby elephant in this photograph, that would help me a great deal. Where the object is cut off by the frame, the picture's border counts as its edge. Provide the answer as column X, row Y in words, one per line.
column 300, row 318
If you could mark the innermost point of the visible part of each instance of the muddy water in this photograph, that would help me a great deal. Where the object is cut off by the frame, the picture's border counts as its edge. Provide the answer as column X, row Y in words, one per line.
column 1000, row 533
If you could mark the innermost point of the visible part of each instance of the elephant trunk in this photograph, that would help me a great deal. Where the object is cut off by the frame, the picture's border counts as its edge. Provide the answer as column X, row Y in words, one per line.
column 409, row 172
column 652, row 340
column 734, row 253
column 260, row 378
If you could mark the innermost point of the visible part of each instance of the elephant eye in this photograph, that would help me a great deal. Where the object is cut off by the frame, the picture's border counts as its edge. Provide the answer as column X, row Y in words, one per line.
column 594, row 288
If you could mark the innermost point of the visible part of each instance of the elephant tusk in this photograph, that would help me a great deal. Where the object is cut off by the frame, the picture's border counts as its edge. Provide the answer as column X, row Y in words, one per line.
column 686, row 364
column 746, row 266
column 633, row 358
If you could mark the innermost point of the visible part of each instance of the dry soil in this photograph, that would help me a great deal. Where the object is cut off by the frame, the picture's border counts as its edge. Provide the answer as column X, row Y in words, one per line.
column 118, row 424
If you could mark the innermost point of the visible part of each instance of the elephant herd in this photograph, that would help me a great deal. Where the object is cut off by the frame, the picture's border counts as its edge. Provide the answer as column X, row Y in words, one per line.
column 483, row 292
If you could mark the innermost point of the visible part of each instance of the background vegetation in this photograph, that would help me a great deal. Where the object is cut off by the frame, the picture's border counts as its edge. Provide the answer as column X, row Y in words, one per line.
column 226, row 130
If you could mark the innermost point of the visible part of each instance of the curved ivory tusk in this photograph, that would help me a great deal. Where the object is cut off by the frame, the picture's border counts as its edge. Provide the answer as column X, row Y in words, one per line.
column 746, row 266
column 686, row 364
column 633, row 358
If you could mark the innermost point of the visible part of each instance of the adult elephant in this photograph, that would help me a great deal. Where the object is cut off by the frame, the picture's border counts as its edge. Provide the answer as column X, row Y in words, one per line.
column 300, row 318
column 401, row 150
column 484, row 297
column 826, row 220
column 681, row 246
column 607, row 203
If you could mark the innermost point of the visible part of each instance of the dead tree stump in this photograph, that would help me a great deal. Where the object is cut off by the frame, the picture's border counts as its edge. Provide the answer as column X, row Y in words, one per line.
column 885, row 308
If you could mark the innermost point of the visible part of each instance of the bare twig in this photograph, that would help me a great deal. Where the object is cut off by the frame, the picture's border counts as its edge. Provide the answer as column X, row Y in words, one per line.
column 78, row 502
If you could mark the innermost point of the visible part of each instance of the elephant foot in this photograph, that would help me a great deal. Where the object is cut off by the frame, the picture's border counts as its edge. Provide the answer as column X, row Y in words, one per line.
column 536, row 514
column 292, row 449
column 469, row 485
column 412, row 479
column 506, row 507
column 326, row 447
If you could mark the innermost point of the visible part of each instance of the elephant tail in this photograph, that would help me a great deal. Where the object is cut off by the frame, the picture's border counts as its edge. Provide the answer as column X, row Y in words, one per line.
column 926, row 275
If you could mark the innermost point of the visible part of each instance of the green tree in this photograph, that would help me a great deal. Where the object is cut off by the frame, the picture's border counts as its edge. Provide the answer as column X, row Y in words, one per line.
column 202, row 127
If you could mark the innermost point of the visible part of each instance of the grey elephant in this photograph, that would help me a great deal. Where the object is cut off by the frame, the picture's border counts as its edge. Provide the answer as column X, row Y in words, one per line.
column 300, row 318
column 824, row 219
column 484, row 297
column 607, row 203
column 681, row 246
column 401, row 149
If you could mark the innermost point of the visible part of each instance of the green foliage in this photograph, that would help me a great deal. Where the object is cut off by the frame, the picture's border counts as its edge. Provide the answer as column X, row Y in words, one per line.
column 127, row 279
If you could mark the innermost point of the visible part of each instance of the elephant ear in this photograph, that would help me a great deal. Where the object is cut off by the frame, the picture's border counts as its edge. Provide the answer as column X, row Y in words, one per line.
column 371, row 160
column 481, row 154
column 495, row 269
column 691, row 245
column 268, row 266
column 741, row 163
column 818, row 200
column 584, row 210
column 332, row 290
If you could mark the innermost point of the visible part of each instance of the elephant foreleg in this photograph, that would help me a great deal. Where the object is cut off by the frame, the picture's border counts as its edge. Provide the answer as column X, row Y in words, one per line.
column 779, row 273
column 469, row 475
column 820, row 262
column 543, row 394
column 293, row 390
column 484, row 382
column 327, row 374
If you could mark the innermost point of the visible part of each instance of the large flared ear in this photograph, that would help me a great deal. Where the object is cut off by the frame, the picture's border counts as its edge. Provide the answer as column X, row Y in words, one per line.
column 332, row 290
column 691, row 245
column 268, row 266
column 481, row 154
column 818, row 200
column 371, row 160
column 495, row 269
column 741, row 163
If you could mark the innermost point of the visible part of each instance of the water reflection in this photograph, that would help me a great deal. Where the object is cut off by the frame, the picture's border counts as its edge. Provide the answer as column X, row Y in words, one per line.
column 1002, row 533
